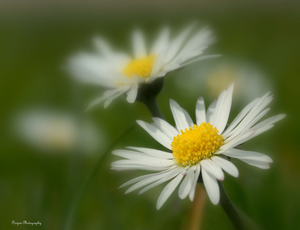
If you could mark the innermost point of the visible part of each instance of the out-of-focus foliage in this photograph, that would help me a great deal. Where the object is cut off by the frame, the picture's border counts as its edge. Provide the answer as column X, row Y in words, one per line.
column 260, row 50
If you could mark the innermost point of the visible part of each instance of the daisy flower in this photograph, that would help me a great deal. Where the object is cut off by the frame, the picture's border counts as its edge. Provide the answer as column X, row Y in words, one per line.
column 197, row 149
column 122, row 73
column 55, row 131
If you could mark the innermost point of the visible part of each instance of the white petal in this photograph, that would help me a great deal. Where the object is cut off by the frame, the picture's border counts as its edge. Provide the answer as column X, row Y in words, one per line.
column 161, row 42
column 186, row 184
column 258, row 164
column 156, row 183
column 179, row 116
column 226, row 165
column 91, row 69
column 129, row 154
column 196, row 176
column 255, row 111
column 140, row 163
column 188, row 118
column 199, row 59
column 153, row 152
column 108, row 95
column 223, row 109
column 219, row 104
column 210, row 112
column 249, row 120
column 168, row 190
column 247, row 117
column 113, row 97
column 165, row 127
column 240, row 140
column 156, row 134
column 146, row 181
column 239, row 117
column 258, row 117
column 258, row 132
column 211, row 186
column 259, row 107
column 177, row 43
column 197, row 43
column 213, row 169
column 123, row 79
column 95, row 102
column 269, row 121
column 143, row 183
column 158, row 63
column 171, row 67
column 102, row 46
column 119, row 61
column 241, row 154
column 132, row 93
column 134, row 166
column 137, row 79
column 170, row 175
column 244, row 127
column 116, row 60
column 200, row 111
column 133, row 155
column 237, row 141
column 192, row 54
column 138, row 42
column 137, row 179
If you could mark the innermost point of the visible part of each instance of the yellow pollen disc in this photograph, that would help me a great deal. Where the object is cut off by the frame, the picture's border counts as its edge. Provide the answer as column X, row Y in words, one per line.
column 196, row 143
column 141, row 67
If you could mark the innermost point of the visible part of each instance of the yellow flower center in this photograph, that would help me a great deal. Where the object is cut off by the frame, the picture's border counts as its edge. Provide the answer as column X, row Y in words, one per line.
column 141, row 67
column 196, row 143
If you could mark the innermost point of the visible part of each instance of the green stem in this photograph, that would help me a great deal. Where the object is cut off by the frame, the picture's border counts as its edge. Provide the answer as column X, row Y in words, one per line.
column 147, row 94
column 77, row 198
column 152, row 105
column 230, row 210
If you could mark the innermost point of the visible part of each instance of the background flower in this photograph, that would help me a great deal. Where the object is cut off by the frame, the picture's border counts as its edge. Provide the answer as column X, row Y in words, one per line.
column 249, row 79
column 49, row 130
column 123, row 73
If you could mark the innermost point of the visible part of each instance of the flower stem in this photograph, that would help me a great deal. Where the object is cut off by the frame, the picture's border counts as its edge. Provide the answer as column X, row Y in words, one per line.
column 197, row 209
column 152, row 105
column 147, row 94
column 230, row 210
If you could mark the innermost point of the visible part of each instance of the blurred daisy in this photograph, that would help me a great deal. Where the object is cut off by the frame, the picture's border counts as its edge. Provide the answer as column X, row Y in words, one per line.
column 122, row 73
column 249, row 80
column 52, row 131
column 200, row 149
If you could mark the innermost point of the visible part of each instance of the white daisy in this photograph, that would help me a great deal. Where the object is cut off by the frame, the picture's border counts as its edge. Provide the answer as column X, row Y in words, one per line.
column 54, row 131
column 200, row 149
column 122, row 73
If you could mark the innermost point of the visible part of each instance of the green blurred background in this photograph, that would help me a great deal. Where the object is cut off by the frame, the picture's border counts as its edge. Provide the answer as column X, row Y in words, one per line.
column 259, row 42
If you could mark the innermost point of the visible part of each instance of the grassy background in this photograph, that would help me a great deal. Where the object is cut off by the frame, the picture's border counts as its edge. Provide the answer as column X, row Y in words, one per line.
column 35, row 44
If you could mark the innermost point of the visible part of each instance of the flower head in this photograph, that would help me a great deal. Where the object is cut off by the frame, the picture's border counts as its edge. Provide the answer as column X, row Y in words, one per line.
column 198, row 149
column 122, row 73
column 54, row 131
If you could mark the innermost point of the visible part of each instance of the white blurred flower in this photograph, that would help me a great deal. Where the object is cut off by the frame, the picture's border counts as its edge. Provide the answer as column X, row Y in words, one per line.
column 249, row 79
column 49, row 130
column 199, row 149
column 122, row 73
